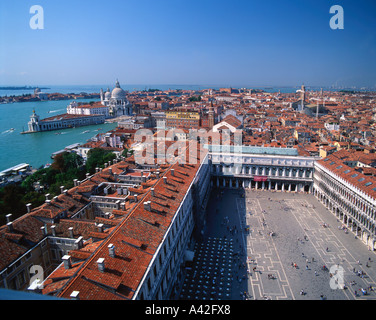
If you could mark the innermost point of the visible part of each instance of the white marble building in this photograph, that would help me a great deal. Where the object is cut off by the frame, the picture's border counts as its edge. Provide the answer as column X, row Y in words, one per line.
column 116, row 101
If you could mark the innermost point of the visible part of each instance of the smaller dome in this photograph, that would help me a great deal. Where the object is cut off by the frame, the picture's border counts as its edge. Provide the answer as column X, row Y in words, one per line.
column 107, row 95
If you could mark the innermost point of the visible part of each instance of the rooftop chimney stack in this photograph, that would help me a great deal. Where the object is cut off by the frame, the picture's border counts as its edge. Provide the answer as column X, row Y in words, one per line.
column 8, row 216
column 147, row 205
column 111, row 250
column 53, row 230
column 165, row 180
column 100, row 227
column 47, row 196
column 110, row 171
column 10, row 226
column 67, row 262
column 70, row 230
column 100, row 263
column 75, row 295
column 79, row 242
column 173, row 172
column 28, row 207
column 152, row 192
column 75, row 182
column 44, row 230
column 62, row 189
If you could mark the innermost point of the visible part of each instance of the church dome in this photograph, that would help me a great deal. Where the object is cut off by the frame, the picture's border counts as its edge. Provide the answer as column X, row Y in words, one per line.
column 118, row 93
column 107, row 95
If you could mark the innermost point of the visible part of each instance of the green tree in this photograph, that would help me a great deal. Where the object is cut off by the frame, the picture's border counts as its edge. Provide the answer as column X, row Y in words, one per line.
column 97, row 157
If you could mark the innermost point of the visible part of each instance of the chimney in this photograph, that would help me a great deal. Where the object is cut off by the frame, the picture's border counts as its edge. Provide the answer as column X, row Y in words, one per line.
column 44, row 230
column 8, row 216
column 87, row 175
column 53, row 230
column 117, row 205
column 79, row 242
column 107, row 214
column 62, row 189
column 96, row 169
column 165, row 180
column 47, row 197
column 10, row 226
column 70, row 230
column 100, row 263
column 100, row 227
column 152, row 192
column 75, row 182
column 157, row 173
column 75, row 295
column 135, row 198
column 173, row 172
column 28, row 207
column 110, row 171
column 66, row 191
column 122, row 205
column 67, row 261
column 147, row 205
column 111, row 250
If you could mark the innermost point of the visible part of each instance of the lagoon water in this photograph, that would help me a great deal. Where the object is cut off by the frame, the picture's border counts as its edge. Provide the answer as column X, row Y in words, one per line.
column 36, row 148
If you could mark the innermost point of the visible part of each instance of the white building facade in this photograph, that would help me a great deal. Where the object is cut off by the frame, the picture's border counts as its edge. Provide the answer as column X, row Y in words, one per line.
column 262, row 168
column 352, row 206
column 116, row 101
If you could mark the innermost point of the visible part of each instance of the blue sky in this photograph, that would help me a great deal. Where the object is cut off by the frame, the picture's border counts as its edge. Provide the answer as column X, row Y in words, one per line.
column 204, row 42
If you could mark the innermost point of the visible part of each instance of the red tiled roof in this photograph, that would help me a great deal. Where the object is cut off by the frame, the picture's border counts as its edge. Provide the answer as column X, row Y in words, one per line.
column 136, row 239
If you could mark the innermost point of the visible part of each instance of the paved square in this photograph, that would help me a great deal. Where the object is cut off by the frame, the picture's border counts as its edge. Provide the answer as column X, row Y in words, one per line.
column 290, row 237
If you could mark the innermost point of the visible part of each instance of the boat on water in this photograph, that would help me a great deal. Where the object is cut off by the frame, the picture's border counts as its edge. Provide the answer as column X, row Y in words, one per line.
column 86, row 131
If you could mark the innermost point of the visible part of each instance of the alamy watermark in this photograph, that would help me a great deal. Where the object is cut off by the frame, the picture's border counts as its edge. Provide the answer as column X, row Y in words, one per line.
column 167, row 147
column 337, row 280
column 338, row 20
column 37, row 20
column 37, row 276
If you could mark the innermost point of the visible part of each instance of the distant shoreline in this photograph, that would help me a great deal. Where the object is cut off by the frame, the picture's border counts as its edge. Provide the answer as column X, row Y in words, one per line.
column 22, row 88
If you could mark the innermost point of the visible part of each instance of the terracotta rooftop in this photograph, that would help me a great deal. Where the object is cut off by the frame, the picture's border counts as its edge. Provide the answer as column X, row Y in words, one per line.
column 136, row 239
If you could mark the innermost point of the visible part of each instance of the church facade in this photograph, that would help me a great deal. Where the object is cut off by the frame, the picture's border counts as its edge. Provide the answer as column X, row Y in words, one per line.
column 116, row 101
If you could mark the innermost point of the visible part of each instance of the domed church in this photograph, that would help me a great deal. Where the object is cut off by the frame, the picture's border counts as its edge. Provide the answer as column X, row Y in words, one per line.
column 116, row 101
